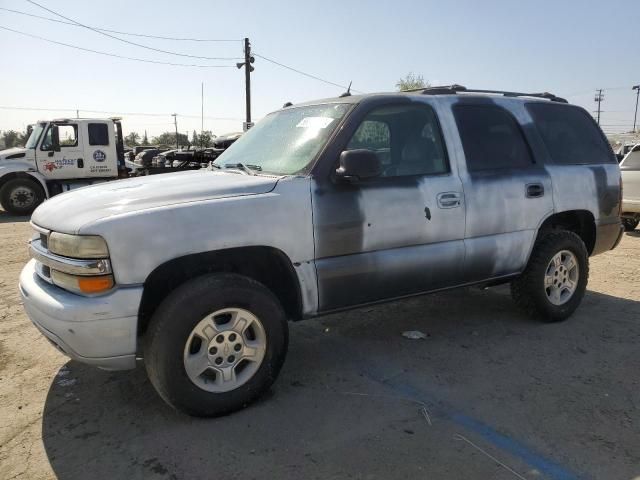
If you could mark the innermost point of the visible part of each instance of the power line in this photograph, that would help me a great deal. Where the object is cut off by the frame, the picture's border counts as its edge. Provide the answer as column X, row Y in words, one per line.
column 303, row 73
column 132, row 114
column 177, row 39
column 158, row 62
column 127, row 41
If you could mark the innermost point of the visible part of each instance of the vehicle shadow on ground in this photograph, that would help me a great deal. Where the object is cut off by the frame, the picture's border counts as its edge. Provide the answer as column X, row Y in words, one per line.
column 634, row 233
column 319, row 420
column 8, row 218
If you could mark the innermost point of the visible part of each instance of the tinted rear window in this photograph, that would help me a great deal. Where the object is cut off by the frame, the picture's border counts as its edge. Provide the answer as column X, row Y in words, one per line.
column 570, row 134
column 98, row 134
column 491, row 138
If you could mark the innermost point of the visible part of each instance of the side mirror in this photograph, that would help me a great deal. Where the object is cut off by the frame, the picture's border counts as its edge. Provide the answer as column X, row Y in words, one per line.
column 357, row 165
column 55, row 138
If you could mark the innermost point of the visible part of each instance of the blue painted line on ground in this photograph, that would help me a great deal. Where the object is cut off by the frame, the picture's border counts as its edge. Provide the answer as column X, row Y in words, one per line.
column 515, row 448
column 519, row 450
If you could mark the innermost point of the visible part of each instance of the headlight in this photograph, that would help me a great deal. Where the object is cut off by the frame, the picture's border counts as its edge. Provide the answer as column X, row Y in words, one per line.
column 81, row 284
column 78, row 246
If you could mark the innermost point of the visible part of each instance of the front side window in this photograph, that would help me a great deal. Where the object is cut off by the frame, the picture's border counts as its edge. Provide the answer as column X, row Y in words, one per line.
column 285, row 142
column 67, row 134
column 98, row 134
column 491, row 138
column 406, row 138
column 570, row 134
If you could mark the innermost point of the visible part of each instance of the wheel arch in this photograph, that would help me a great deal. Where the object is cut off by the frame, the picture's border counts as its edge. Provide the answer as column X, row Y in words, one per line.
column 267, row 265
column 580, row 222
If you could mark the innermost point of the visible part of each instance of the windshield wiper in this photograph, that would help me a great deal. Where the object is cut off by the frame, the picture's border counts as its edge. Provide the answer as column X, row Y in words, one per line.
column 248, row 168
column 213, row 165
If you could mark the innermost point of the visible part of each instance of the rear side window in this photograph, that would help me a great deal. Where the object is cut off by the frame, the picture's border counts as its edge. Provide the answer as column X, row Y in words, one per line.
column 491, row 138
column 98, row 134
column 570, row 134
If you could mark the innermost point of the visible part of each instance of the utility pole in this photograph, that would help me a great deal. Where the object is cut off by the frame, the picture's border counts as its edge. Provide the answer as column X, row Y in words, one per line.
column 599, row 98
column 77, row 113
column 175, row 121
column 635, row 117
column 201, row 112
column 248, row 68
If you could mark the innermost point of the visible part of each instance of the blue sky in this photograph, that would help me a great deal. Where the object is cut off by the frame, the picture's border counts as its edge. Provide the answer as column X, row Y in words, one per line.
column 569, row 48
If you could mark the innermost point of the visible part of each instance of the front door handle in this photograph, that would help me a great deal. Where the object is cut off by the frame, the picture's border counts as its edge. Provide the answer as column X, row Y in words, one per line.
column 448, row 199
column 534, row 190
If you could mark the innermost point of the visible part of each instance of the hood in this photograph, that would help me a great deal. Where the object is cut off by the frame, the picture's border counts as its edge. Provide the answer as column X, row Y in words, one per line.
column 70, row 211
column 13, row 153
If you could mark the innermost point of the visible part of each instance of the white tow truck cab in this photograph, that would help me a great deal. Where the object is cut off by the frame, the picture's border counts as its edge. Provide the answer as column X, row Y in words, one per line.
column 60, row 155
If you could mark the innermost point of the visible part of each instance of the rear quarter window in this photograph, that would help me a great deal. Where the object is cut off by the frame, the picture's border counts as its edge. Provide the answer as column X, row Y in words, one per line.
column 571, row 136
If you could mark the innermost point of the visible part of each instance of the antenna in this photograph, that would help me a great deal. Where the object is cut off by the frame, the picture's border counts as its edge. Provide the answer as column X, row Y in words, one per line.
column 348, row 92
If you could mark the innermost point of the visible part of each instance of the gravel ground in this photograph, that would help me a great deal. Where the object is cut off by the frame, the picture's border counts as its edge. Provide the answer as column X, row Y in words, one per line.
column 488, row 394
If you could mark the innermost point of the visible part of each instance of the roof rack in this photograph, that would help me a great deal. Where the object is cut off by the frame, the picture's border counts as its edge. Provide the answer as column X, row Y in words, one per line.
column 454, row 89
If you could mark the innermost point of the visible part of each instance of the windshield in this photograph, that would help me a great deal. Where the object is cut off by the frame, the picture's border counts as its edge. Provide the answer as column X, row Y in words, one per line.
column 35, row 135
column 284, row 142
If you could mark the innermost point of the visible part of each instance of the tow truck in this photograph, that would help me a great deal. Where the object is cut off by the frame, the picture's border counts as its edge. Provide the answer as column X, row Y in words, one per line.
column 64, row 154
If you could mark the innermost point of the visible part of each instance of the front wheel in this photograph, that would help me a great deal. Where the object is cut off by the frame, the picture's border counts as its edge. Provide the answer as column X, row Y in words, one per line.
column 21, row 196
column 555, row 279
column 630, row 224
column 215, row 344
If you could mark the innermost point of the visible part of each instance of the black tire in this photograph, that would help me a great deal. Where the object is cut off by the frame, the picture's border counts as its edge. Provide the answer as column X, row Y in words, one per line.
column 630, row 224
column 16, row 204
column 177, row 316
column 528, row 289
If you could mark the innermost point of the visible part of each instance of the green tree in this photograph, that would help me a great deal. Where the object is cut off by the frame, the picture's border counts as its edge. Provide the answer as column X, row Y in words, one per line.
column 194, row 138
column 145, row 139
column 10, row 138
column 168, row 139
column 206, row 138
column 411, row 82
column 23, row 137
column 132, row 139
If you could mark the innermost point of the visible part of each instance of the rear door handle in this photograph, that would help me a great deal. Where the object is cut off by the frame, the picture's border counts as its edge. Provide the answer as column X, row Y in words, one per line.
column 448, row 199
column 534, row 190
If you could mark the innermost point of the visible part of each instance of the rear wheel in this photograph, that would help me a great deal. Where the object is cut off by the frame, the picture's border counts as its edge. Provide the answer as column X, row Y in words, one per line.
column 555, row 279
column 215, row 344
column 21, row 196
column 630, row 224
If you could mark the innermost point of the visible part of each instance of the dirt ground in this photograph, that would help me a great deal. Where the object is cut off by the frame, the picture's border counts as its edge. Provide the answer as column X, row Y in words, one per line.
column 488, row 394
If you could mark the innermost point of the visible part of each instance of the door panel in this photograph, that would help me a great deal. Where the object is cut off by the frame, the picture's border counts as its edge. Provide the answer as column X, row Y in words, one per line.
column 507, row 195
column 386, row 238
column 397, row 234
column 69, row 161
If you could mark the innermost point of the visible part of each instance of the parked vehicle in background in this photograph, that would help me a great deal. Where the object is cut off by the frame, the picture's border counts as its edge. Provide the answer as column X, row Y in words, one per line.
column 65, row 154
column 221, row 143
column 630, row 169
column 145, row 157
column 624, row 148
column 323, row 206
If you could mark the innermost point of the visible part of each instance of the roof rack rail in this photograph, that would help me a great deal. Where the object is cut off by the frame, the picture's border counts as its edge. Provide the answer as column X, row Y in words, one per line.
column 454, row 89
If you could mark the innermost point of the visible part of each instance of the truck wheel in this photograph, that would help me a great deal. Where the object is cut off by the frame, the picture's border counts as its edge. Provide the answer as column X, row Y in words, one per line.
column 630, row 224
column 21, row 196
column 555, row 279
column 215, row 344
